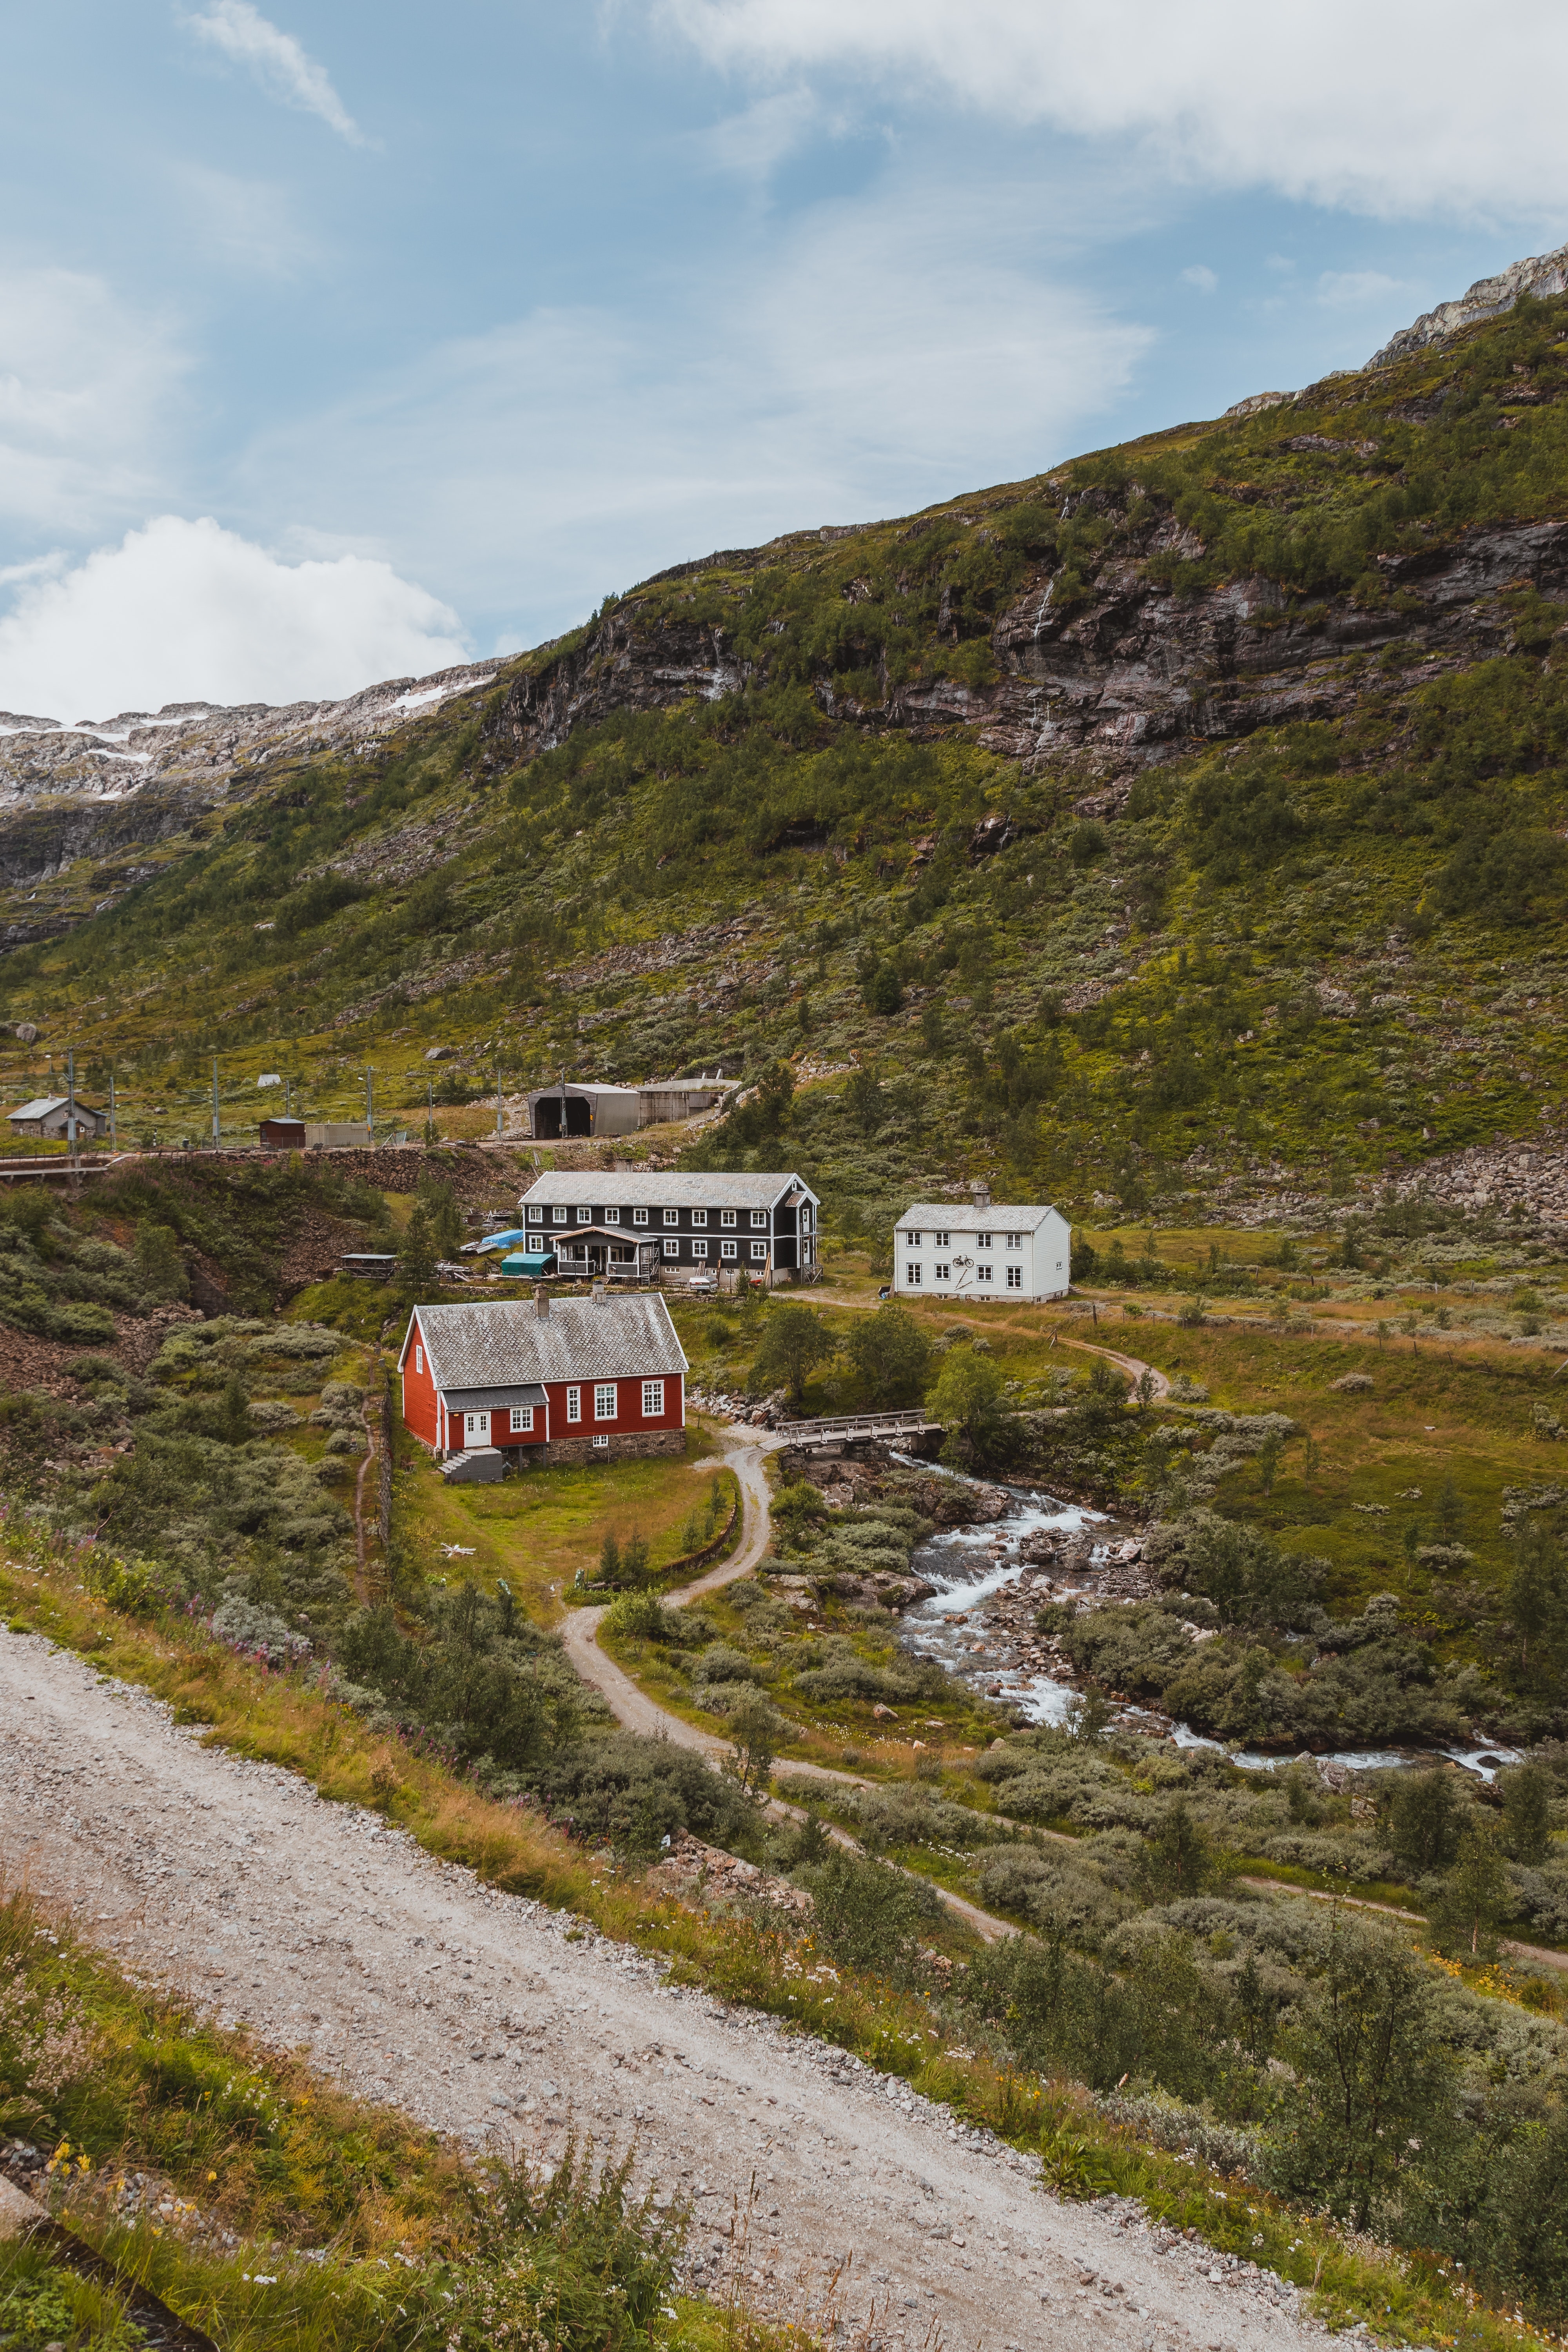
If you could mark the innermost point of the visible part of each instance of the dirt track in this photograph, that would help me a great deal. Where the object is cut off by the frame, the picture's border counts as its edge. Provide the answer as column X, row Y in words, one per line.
column 320, row 1927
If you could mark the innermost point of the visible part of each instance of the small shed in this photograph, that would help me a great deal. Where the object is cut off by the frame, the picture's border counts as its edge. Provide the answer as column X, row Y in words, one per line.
column 526, row 1266
column 281, row 1135
column 49, row 1116
column 567, row 1108
column 371, row 1265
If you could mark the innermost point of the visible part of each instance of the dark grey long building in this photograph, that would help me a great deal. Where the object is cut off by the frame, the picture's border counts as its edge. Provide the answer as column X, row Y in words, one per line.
column 627, row 1227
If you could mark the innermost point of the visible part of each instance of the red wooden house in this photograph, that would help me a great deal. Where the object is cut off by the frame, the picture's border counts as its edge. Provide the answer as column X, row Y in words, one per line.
column 565, row 1380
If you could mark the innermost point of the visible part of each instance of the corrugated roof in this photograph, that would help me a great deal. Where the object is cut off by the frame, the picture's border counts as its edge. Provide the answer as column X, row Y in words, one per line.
column 591, row 1189
column 43, row 1104
column 510, row 1344
column 580, row 1086
column 955, row 1216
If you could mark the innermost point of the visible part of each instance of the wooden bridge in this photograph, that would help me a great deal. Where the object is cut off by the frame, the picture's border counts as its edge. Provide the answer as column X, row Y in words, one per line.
column 858, row 1428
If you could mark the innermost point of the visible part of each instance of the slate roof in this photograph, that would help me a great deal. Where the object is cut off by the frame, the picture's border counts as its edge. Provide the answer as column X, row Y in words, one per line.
column 963, row 1217
column 509, row 1345
column 41, row 1106
column 589, row 1188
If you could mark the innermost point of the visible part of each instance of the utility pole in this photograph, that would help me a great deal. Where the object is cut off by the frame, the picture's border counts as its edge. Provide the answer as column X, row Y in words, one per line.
column 500, row 1122
column 113, row 1132
column 370, row 1100
column 218, row 1122
column 70, row 1107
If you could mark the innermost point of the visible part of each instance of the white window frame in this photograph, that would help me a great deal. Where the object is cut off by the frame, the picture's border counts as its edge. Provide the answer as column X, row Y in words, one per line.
column 653, row 1399
column 726, row 1216
column 941, row 1274
column 672, row 1245
column 612, row 1216
column 806, row 1218
column 911, row 1240
column 1015, row 1277
column 536, row 1216
column 700, row 1247
column 914, row 1278
column 522, row 1421
column 984, row 1241
column 639, row 1216
column 759, row 1252
column 941, row 1241
column 585, row 1216
column 472, row 1423
column 558, row 1216
column 729, row 1249
column 1015, row 1241
column 606, row 1400
column 602, row 1442
column 672, row 1216
column 419, row 1360
column 574, row 1404
column 805, row 1251
column 700, row 1216
column 760, row 1217
column 983, row 1274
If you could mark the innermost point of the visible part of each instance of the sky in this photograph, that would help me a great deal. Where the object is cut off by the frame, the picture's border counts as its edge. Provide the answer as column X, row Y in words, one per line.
column 342, row 342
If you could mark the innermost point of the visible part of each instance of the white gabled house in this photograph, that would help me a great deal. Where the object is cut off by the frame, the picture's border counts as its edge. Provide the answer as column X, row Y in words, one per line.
column 981, row 1249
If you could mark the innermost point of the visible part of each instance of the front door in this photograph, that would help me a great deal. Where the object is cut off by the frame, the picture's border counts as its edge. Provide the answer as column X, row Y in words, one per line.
column 475, row 1429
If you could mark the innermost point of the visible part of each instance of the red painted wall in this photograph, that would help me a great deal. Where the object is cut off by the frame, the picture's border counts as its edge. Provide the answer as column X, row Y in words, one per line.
column 421, row 1408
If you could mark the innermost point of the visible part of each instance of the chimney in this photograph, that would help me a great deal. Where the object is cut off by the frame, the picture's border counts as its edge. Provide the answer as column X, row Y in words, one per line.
column 542, row 1303
column 979, row 1193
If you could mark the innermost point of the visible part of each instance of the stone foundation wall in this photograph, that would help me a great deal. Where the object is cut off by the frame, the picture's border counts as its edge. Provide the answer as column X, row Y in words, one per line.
column 619, row 1449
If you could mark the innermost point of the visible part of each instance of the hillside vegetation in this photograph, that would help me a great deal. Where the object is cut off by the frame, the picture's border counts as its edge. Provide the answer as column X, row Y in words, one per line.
column 1191, row 815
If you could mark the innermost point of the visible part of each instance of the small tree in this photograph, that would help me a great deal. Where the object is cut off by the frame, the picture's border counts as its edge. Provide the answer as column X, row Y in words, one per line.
column 864, row 1099
column 417, row 1258
column 444, row 1218
column 1270, row 1454
column 1178, row 1860
column 1450, row 1513
column 969, row 1399
column 1425, row 1821
column 1527, row 1813
column 754, row 1730
column 884, row 992
column 795, row 1342
column 160, row 1268
column 1476, row 1895
column 610, row 1558
column 234, row 1423
column 891, row 1353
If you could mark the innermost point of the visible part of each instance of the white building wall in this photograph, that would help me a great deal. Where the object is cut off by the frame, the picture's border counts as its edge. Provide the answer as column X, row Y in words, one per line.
column 1045, row 1261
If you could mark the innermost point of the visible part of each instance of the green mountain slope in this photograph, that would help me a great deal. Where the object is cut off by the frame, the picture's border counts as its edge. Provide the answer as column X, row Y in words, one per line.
column 1190, row 817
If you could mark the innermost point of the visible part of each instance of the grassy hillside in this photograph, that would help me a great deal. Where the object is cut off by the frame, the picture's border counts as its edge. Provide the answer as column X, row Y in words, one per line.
column 1189, row 816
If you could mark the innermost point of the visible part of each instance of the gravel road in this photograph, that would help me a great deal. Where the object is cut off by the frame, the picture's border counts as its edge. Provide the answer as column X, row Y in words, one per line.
column 481, row 2014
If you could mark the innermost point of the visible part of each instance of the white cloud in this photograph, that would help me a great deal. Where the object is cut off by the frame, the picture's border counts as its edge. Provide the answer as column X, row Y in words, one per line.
column 249, row 226
column 1200, row 276
column 873, row 356
column 1398, row 111
column 186, row 612
column 89, row 399
column 755, row 141
column 277, row 60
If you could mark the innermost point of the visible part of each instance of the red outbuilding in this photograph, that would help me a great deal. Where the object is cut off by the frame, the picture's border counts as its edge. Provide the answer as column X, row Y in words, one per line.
column 564, row 1379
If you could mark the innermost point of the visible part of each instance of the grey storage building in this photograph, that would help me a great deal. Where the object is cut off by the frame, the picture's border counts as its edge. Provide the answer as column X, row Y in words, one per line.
column 628, row 1225
column 570, row 1107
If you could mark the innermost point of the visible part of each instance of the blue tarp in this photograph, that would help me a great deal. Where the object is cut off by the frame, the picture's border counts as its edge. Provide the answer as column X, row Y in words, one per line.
column 496, row 1241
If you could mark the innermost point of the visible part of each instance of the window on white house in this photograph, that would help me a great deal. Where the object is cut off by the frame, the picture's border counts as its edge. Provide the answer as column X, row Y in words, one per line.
column 759, row 1252
column 759, row 1217
column 984, row 1241
column 612, row 1216
column 913, row 1277
column 983, row 1274
column 523, row 1420
column 941, row 1274
column 943, row 1240
column 1015, row 1241
column 726, row 1216
column 1015, row 1277
column 699, row 1249
column 639, row 1216
column 558, row 1216
column 700, row 1216
column 672, row 1216
column 652, row 1400
column 419, row 1360
column 729, row 1249
column 604, row 1401
column 600, row 1441
column 671, row 1246
column 574, row 1404
column 913, row 1240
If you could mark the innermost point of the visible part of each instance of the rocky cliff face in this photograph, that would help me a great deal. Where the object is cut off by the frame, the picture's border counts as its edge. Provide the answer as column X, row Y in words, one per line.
column 1541, row 276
